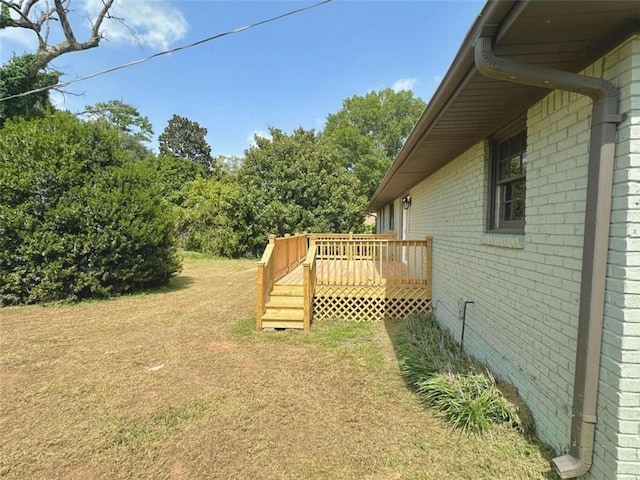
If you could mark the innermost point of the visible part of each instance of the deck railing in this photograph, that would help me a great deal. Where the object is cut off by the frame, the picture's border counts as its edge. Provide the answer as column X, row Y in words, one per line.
column 373, row 262
column 309, row 273
column 352, row 236
column 282, row 255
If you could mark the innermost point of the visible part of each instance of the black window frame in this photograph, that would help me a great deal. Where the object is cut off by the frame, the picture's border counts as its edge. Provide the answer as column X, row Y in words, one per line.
column 392, row 215
column 504, row 149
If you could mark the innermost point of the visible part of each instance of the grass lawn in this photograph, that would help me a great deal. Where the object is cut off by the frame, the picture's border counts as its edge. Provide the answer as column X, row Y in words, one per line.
column 176, row 384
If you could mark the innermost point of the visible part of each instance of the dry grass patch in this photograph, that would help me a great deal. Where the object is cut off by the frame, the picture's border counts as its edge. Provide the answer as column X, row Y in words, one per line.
column 177, row 384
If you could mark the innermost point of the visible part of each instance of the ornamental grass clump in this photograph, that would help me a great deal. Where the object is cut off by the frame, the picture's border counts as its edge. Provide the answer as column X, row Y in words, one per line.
column 452, row 382
column 470, row 402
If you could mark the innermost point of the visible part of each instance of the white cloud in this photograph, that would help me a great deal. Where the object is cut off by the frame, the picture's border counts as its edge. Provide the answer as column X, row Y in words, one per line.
column 22, row 37
column 257, row 133
column 403, row 84
column 154, row 24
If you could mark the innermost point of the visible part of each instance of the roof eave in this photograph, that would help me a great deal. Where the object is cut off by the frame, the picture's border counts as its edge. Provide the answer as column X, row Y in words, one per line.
column 492, row 13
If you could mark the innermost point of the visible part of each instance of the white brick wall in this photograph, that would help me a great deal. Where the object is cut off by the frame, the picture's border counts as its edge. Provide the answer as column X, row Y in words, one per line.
column 618, row 444
column 524, row 321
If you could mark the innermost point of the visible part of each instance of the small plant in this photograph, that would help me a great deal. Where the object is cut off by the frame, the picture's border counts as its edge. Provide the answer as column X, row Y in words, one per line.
column 428, row 350
column 471, row 402
column 451, row 381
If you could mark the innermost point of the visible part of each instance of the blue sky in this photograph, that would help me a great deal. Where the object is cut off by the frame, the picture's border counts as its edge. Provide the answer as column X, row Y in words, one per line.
column 290, row 73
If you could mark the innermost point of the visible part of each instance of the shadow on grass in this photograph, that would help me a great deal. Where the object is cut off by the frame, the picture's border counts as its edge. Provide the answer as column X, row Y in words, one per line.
column 393, row 328
column 401, row 339
column 178, row 283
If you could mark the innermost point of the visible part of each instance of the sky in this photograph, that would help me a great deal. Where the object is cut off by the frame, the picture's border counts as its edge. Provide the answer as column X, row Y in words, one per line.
column 286, row 74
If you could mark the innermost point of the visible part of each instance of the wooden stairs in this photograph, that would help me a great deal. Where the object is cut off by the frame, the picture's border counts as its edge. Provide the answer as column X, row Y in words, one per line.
column 285, row 308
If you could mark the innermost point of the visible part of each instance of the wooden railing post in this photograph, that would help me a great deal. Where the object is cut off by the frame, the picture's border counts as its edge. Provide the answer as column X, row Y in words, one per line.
column 305, row 246
column 308, row 285
column 308, row 296
column 261, row 299
column 429, row 267
column 287, row 249
column 265, row 279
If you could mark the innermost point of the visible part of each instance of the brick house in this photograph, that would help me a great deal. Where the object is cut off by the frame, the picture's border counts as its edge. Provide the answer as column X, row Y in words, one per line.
column 525, row 169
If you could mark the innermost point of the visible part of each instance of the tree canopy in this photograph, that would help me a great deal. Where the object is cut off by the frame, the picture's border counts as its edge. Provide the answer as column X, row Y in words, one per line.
column 15, row 78
column 134, row 129
column 296, row 182
column 369, row 132
column 286, row 184
column 123, row 116
column 186, row 139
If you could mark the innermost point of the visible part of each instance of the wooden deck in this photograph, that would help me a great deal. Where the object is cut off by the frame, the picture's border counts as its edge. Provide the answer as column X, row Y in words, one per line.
column 349, row 277
column 356, row 272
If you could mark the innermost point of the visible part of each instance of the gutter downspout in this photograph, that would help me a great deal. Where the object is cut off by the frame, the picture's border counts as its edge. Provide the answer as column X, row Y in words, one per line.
column 604, row 120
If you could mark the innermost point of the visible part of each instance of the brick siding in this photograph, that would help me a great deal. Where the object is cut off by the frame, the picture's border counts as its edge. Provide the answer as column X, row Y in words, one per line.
column 526, row 288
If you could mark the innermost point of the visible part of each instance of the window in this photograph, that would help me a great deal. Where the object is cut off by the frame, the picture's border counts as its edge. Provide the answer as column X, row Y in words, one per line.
column 508, row 184
column 392, row 208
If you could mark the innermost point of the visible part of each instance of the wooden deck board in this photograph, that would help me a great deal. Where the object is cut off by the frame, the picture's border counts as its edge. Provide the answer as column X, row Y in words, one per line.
column 294, row 277
column 365, row 272
column 355, row 272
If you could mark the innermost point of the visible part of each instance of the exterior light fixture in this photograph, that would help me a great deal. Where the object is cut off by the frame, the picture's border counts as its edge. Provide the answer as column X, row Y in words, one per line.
column 406, row 202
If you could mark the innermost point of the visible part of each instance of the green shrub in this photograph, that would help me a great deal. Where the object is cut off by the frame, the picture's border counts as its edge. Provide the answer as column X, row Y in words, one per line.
column 470, row 402
column 213, row 219
column 76, row 219
column 428, row 350
column 450, row 381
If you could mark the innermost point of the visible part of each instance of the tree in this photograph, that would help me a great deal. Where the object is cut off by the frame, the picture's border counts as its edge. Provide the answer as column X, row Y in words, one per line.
column 29, row 72
column 15, row 78
column 173, row 174
column 134, row 129
column 229, row 163
column 185, row 139
column 123, row 116
column 77, row 218
column 369, row 132
column 36, row 16
column 295, row 183
column 217, row 217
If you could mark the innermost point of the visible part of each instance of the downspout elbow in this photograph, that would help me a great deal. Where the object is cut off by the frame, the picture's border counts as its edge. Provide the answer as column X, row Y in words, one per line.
column 567, row 466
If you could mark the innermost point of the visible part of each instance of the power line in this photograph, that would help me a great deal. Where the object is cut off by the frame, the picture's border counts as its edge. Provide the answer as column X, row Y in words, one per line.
column 166, row 52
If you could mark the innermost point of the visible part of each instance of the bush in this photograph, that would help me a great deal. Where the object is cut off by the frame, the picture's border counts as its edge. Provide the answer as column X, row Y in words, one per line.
column 76, row 219
column 213, row 219
column 452, row 382
column 470, row 402
column 428, row 350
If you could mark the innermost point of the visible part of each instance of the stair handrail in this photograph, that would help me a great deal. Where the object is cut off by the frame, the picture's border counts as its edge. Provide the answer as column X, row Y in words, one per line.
column 281, row 255
column 265, row 279
column 308, row 284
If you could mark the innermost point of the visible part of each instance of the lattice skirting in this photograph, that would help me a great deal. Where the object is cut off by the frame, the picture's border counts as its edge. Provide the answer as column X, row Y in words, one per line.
column 368, row 304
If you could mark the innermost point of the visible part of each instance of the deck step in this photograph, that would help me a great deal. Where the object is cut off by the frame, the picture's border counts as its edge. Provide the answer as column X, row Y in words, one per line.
column 285, row 301
column 291, row 290
column 283, row 314
column 281, row 324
